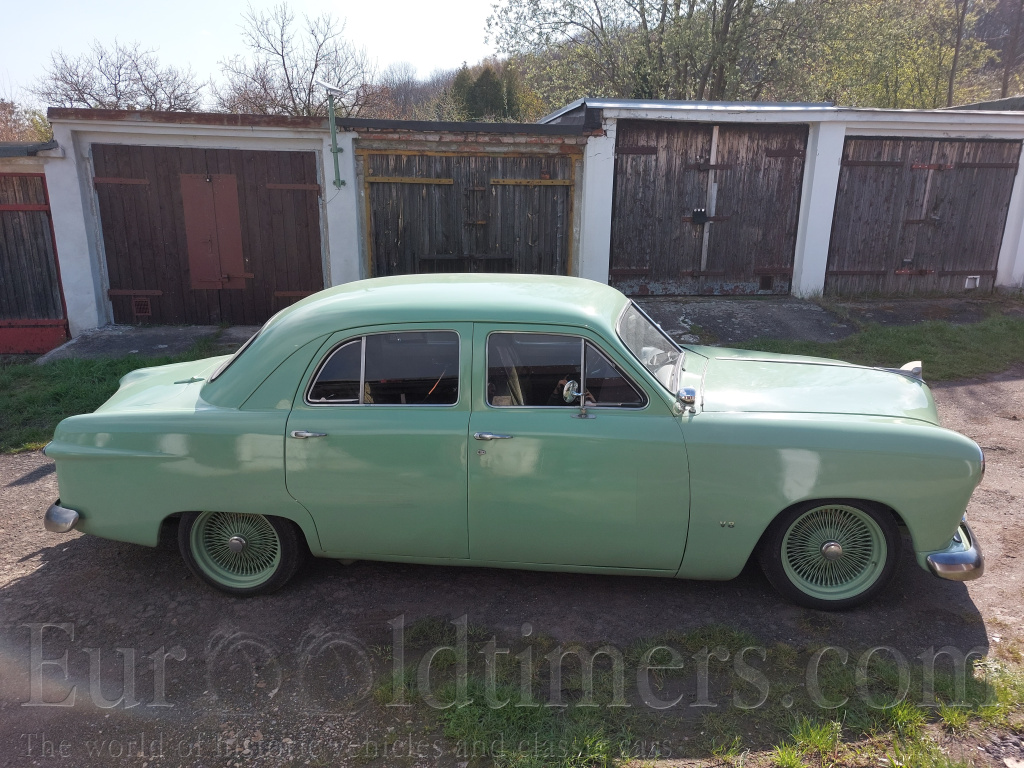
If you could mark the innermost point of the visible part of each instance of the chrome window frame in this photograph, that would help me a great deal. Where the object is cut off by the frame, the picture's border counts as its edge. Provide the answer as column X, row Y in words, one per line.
column 362, row 373
column 583, row 373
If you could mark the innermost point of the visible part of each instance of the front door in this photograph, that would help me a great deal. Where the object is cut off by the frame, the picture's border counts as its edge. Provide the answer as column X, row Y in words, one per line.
column 548, row 487
column 376, row 442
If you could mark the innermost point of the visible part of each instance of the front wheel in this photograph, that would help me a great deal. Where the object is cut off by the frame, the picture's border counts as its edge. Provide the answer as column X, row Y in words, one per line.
column 240, row 554
column 831, row 555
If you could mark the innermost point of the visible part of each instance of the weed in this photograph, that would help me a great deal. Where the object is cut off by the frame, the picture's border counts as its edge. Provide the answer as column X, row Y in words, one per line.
column 786, row 756
column 954, row 719
column 905, row 719
column 818, row 737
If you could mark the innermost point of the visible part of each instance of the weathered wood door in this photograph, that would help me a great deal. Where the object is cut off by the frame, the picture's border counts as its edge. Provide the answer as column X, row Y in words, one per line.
column 705, row 209
column 31, row 305
column 919, row 215
column 468, row 213
column 207, row 236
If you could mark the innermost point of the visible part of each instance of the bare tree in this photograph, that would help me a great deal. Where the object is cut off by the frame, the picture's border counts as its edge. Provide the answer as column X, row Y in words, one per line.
column 124, row 76
column 285, row 61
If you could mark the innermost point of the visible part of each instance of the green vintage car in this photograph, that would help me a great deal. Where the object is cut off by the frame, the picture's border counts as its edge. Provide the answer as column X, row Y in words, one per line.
column 520, row 422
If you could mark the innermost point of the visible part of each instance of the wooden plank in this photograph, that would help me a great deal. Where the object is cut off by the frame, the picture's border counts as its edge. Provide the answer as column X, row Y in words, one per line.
column 298, row 294
column 636, row 150
column 1007, row 166
column 24, row 207
column 117, row 180
column 406, row 180
column 858, row 272
column 305, row 187
column 133, row 292
column 873, row 163
column 533, row 182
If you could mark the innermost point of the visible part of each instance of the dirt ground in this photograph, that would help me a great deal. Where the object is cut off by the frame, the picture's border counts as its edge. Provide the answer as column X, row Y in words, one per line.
column 282, row 679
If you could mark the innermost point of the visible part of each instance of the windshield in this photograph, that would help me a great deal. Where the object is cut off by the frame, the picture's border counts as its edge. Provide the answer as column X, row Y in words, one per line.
column 651, row 345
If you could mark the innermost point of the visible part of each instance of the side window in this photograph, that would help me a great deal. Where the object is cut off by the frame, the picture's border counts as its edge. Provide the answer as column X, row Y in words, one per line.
column 532, row 369
column 606, row 385
column 408, row 368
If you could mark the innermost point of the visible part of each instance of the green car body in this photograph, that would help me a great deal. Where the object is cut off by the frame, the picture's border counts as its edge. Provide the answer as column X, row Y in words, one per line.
column 664, row 487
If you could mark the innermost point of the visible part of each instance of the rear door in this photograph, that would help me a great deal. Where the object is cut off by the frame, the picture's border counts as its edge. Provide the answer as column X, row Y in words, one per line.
column 377, row 441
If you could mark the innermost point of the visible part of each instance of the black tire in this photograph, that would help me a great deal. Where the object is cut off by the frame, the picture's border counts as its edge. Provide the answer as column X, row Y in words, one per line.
column 794, row 559
column 270, row 551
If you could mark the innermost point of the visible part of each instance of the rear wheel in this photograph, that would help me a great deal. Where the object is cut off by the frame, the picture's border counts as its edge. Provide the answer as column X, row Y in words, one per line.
column 831, row 555
column 240, row 554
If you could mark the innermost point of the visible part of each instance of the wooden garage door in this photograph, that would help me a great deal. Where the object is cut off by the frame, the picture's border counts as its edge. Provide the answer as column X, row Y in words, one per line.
column 705, row 209
column 207, row 236
column 31, row 305
column 919, row 215
column 468, row 213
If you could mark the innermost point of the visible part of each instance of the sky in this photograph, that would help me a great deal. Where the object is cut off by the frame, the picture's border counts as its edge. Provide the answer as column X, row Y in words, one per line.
column 429, row 34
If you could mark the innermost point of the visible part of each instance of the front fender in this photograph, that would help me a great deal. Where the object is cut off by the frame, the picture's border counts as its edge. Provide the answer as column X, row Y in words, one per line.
column 746, row 468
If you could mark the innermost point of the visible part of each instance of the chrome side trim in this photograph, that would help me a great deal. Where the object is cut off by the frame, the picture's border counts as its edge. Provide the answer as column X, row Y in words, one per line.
column 962, row 560
column 59, row 519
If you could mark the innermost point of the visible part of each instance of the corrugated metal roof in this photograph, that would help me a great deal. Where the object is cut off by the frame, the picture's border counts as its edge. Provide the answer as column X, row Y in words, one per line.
column 653, row 104
column 1009, row 104
column 24, row 148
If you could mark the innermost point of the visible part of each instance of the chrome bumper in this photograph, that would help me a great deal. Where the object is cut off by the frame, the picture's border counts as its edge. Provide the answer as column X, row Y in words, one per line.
column 59, row 519
column 962, row 560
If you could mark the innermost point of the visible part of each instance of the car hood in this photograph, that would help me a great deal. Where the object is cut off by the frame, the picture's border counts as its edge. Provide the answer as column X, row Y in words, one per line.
column 166, row 387
column 741, row 380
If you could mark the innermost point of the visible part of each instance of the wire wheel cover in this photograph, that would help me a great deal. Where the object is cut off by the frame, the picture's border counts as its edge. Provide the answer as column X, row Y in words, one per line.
column 255, row 563
column 857, row 568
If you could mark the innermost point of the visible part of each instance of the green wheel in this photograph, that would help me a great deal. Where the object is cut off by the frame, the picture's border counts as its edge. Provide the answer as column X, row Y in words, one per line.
column 831, row 555
column 240, row 554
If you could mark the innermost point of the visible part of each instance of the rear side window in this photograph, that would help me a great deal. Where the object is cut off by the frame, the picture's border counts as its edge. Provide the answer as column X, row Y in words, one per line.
column 408, row 368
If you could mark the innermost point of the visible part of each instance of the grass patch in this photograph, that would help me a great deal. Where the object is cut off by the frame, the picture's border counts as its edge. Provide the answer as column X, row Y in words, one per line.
column 516, row 713
column 947, row 351
column 34, row 398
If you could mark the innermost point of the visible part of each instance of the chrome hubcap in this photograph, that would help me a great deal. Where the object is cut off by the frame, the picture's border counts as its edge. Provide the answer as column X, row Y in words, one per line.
column 831, row 550
column 238, row 543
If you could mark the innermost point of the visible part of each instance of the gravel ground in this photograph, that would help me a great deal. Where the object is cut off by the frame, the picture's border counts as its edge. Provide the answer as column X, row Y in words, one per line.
column 282, row 679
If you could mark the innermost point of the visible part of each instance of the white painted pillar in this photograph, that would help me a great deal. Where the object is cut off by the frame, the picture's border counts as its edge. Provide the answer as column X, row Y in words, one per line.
column 596, row 219
column 345, row 257
column 1010, row 269
column 68, row 182
column 817, row 205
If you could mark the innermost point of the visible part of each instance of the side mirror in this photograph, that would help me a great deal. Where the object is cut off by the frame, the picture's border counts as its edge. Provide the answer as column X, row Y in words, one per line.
column 687, row 396
column 686, row 400
column 571, row 391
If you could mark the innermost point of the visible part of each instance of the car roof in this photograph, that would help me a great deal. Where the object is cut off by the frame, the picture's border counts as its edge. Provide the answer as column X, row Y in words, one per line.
column 453, row 297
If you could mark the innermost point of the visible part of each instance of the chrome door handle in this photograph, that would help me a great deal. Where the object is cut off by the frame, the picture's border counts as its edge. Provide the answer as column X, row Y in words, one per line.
column 302, row 434
column 490, row 436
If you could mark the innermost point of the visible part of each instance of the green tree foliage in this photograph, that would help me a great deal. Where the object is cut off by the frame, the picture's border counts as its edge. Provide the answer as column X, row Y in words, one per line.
column 882, row 53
